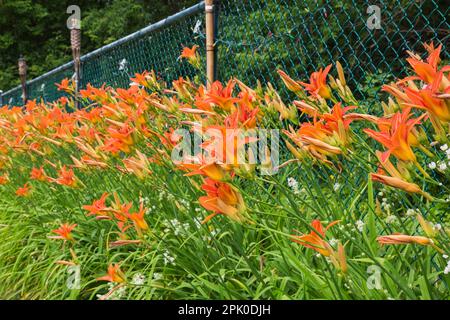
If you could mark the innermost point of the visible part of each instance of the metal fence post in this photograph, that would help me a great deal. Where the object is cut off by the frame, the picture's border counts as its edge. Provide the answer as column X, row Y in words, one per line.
column 216, row 31
column 1, row 98
column 75, row 42
column 210, row 46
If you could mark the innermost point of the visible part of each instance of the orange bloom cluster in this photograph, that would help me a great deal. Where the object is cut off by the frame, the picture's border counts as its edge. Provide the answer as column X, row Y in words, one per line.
column 316, row 240
column 134, row 132
column 325, row 137
column 120, row 214
column 64, row 232
column 432, row 93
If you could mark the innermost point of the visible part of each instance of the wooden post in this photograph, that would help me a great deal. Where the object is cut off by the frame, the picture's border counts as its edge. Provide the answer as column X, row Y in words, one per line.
column 210, row 47
column 23, row 77
column 75, row 42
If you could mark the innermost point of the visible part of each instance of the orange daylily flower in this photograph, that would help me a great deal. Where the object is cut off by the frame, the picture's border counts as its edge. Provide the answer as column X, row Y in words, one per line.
column 198, row 165
column 314, row 139
column 66, row 177
column 138, row 165
column 404, row 239
column 114, row 274
column 222, row 198
column 290, row 83
column 138, row 219
column 38, row 174
column 315, row 239
column 426, row 70
column 221, row 96
column 64, row 232
column 121, row 243
column 396, row 135
column 226, row 145
column 318, row 84
column 122, row 133
column 98, row 207
column 141, row 78
column 427, row 99
column 64, row 85
column 189, row 53
column 120, row 210
column 399, row 184
column 23, row 191
column 243, row 117
column 4, row 179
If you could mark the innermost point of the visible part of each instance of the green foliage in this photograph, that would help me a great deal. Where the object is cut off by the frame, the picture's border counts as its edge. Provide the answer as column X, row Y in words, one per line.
column 37, row 30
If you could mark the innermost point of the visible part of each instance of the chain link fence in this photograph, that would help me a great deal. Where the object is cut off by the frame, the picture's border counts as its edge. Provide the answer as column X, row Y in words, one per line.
column 156, row 47
column 254, row 38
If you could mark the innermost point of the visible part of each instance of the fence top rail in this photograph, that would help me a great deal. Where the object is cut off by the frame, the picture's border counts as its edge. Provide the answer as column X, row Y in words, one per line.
column 142, row 32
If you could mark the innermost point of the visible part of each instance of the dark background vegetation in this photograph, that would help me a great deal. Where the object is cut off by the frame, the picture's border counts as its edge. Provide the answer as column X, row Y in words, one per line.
column 37, row 29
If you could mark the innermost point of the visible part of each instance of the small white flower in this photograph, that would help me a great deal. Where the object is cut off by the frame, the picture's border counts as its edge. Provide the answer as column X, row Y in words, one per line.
column 380, row 194
column 168, row 259
column 118, row 294
column 411, row 212
column 157, row 276
column 391, row 219
column 138, row 279
column 444, row 147
column 442, row 166
column 293, row 184
column 445, row 256
column 437, row 227
column 432, row 165
column 359, row 225
column 447, row 268
column 386, row 205
column 336, row 186
column 332, row 242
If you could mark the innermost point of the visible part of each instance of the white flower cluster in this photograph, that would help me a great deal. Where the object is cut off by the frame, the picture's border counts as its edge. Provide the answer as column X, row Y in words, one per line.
column 391, row 219
column 385, row 205
column 178, row 227
column 157, row 276
column 447, row 268
column 138, row 279
column 332, row 242
column 437, row 227
column 412, row 212
column 117, row 294
column 359, row 225
column 441, row 165
column 146, row 201
column 168, row 259
column 164, row 195
column 293, row 184
column 184, row 203
column 198, row 220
